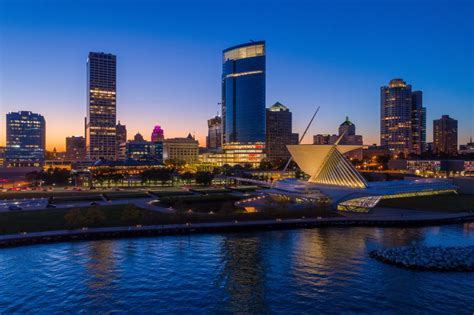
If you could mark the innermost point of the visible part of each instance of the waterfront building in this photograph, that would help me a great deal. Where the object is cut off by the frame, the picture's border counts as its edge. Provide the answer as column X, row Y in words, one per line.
column 237, row 154
column 445, row 135
column 214, row 133
column 25, row 139
column 402, row 118
column 101, row 134
column 433, row 167
column 142, row 150
column 75, row 148
column 467, row 148
column 279, row 132
column 243, row 93
column 157, row 134
column 331, row 174
column 182, row 149
column 121, row 133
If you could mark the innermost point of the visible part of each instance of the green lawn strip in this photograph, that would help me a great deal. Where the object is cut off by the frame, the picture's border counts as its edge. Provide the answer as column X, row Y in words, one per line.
column 439, row 203
column 54, row 219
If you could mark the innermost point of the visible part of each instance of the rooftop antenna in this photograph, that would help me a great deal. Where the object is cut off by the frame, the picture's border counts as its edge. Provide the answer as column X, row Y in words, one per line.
column 302, row 136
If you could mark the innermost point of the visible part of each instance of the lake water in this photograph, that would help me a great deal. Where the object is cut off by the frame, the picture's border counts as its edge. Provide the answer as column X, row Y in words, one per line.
column 293, row 271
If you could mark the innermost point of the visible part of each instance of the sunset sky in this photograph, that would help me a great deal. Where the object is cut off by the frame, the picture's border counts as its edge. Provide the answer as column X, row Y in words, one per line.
column 335, row 54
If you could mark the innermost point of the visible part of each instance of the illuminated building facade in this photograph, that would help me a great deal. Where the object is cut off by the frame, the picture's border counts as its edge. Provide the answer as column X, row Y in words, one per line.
column 182, row 149
column 279, row 132
column 2, row 156
column 445, row 135
column 333, row 175
column 237, row 153
column 402, row 118
column 101, row 134
column 157, row 134
column 243, row 93
column 214, row 133
column 75, row 148
column 121, row 136
column 25, row 139
column 145, row 150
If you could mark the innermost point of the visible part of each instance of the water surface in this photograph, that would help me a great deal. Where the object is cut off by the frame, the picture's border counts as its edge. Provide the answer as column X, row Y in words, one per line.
column 292, row 271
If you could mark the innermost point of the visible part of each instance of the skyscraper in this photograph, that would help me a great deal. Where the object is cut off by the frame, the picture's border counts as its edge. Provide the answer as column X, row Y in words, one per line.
column 157, row 134
column 279, row 132
column 402, row 118
column 243, row 93
column 101, row 135
column 121, row 131
column 75, row 148
column 121, row 136
column 445, row 135
column 214, row 133
column 25, row 139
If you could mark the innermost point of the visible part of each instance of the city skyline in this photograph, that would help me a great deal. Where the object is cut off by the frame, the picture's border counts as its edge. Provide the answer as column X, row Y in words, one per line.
column 301, row 75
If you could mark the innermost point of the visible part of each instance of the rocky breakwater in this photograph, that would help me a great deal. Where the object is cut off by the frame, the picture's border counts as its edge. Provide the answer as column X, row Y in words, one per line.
column 428, row 258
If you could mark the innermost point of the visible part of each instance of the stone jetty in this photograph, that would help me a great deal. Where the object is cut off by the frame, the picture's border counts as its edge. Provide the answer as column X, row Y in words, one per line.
column 428, row 258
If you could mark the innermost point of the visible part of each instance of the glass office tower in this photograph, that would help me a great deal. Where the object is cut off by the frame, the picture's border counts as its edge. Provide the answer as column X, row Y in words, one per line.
column 243, row 93
column 25, row 139
column 101, row 106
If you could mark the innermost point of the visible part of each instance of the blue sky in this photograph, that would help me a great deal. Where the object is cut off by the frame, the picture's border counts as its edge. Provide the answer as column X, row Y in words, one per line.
column 335, row 54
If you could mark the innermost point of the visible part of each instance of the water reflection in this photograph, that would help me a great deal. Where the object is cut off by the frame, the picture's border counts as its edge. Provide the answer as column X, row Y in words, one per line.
column 243, row 274
column 100, row 266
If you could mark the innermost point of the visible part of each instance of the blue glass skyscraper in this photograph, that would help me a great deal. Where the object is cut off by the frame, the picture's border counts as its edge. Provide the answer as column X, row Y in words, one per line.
column 243, row 93
column 25, row 139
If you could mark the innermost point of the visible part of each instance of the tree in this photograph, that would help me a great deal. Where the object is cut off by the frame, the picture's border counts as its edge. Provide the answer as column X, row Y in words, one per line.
column 94, row 216
column 204, row 178
column 131, row 214
column 186, row 177
column 74, row 218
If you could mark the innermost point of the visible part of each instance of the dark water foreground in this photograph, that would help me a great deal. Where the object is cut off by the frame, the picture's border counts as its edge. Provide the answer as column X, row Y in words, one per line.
column 290, row 271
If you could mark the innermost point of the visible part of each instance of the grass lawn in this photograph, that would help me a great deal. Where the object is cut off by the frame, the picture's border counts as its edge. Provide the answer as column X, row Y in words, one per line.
column 440, row 203
column 54, row 219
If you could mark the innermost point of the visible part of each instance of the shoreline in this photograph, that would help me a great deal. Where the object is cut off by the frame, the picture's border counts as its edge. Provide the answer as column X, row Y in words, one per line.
column 88, row 234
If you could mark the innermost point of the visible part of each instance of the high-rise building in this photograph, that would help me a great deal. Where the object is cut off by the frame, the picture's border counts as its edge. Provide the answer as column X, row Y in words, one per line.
column 25, row 139
column 101, row 134
column 243, row 93
column 121, row 131
column 157, row 134
column 184, row 149
column 402, row 118
column 2, row 156
column 75, row 148
column 445, row 135
column 214, row 133
column 279, row 132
